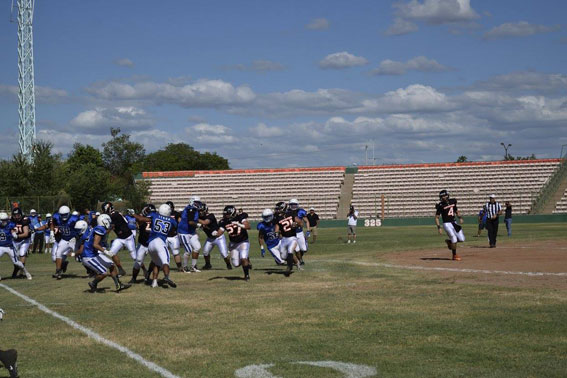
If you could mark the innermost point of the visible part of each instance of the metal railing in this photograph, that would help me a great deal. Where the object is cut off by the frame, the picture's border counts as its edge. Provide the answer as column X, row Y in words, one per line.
column 549, row 188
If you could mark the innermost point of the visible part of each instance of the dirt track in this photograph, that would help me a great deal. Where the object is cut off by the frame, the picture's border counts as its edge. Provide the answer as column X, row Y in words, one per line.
column 543, row 256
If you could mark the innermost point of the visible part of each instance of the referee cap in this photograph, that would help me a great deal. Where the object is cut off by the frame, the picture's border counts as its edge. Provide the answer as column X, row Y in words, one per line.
column 311, row 208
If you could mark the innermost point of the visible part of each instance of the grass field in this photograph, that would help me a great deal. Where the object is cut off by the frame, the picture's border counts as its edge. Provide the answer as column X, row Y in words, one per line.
column 399, row 322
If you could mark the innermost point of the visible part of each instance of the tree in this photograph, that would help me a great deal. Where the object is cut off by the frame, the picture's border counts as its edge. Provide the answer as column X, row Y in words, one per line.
column 462, row 159
column 45, row 171
column 183, row 157
column 87, row 180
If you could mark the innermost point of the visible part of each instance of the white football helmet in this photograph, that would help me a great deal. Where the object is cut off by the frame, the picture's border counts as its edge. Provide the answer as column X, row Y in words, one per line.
column 267, row 215
column 4, row 218
column 64, row 212
column 193, row 199
column 81, row 227
column 164, row 210
column 76, row 213
column 293, row 204
column 33, row 212
column 104, row 221
column 48, row 215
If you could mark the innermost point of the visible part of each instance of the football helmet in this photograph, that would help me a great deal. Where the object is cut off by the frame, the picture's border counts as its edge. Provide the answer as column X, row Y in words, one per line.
column 267, row 215
column 194, row 199
column 107, row 207
column 280, row 207
column 64, row 212
column 443, row 193
column 149, row 208
column 33, row 212
column 229, row 211
column 170, row 204
column 104, row 221
column 293, row 204
column 48, row 215
column 131, row 212
column 76, row 213
column 81, row 227
column 203, row 209
column 4, row 218
column 17, row 213
column 164, row 210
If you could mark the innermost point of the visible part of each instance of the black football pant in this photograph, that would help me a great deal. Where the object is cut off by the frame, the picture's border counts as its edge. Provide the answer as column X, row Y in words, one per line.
column 38, row 241
column 492, row 229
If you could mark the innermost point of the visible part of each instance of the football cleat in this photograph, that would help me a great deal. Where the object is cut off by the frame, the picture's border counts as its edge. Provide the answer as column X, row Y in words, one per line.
column 207, row 267
column 28, row 275
column 169, row 282
column 121, row 272
column 92, row 287
column 154, row 283
column 228, row 266
column 186, row 269
column 194, row 269
column 64, row 266
column 456, row 258
column 122, row 286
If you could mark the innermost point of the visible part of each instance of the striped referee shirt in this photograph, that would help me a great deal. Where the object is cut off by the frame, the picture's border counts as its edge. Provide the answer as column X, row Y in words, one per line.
column 492, row 209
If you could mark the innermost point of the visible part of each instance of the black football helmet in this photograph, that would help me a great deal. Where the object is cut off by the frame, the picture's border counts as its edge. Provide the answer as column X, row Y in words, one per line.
column 443, row 193
column 17, row 213
column 147, row 209
column 280, row 208
column 107, row 207
column 171, row 204
column 229, row 211
column 203, row 209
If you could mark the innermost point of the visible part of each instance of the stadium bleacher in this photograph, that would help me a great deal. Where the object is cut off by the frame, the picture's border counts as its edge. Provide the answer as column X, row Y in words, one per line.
column 409, row 190
column 412, row 190
column 561, row 207
column 252, row 190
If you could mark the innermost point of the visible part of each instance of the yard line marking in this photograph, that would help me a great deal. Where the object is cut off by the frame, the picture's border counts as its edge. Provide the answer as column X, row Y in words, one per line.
column 92, row 334
column 484, row 271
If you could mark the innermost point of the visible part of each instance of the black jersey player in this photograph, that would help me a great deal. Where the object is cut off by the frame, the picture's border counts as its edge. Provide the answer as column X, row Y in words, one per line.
column 287, row 222
column 215, row 237
column 236, row 225
column 447, row 210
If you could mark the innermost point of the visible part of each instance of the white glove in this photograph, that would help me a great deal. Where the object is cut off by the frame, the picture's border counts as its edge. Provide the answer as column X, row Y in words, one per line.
column 199, row 225
column 214, row 233
column 107, row 252
column 14, row 234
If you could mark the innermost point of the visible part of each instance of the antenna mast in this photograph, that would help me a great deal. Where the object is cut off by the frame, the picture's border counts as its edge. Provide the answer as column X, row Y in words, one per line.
column 26, row 93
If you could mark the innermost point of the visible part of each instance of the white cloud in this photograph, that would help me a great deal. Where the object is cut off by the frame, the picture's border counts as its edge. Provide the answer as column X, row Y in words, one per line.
column 261, row 65
column 318, row 24
column 124, row 62
column 342, row 60
column 264, row 131
column 414, row 98
column 420, row 63
column 526, row 81
column 205, row 133
column 518, row 29
column 99, row 120
column 43, row 95
column 437, row 11
column 202, row 93
column 401, row 27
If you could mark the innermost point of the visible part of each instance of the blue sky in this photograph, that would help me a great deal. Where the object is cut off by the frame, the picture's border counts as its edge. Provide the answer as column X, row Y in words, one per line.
column 298, row 83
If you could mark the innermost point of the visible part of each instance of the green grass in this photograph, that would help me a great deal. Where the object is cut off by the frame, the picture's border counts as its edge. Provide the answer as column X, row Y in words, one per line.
column 401, row 322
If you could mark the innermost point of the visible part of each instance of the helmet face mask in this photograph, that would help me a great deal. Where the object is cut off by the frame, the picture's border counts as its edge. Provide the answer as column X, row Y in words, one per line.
column 444, row 195
column 149, row 208
column 104, row 221
column 81, row 227
column 229, row 212
column 280, row 208
column 64, row 212
column 267, row 215
column 194, row 199
column 203, row 209
column 4, row 219
column 107, row 207
column 17, row 214
column 293, row 204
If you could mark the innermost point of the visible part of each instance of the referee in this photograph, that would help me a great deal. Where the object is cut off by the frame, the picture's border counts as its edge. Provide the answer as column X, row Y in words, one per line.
column 493, row 211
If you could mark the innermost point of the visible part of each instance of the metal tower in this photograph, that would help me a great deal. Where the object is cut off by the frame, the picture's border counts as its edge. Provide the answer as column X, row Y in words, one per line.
column 26, row 94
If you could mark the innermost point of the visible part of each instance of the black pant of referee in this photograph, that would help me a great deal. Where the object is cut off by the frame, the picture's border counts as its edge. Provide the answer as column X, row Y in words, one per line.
column 492, row 229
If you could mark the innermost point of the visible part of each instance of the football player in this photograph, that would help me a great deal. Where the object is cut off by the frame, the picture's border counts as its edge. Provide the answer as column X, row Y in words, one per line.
column 132, row 223
column 7, row 236
column 187, row 229
column 124, row 236
column 173, row 238
column 143, row 241
column 160, row 224
column 23, row 236
column 267, row 236
column 93, row 252
column 63, row 227
column 287, row 222
column 236, row 225
column 301, row 247
column 215, row 237
column 447, row 209
column 49, row 237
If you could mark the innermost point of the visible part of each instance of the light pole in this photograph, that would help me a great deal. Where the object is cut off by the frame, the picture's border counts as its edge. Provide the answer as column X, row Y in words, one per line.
column 505, row 150
column 561, row 155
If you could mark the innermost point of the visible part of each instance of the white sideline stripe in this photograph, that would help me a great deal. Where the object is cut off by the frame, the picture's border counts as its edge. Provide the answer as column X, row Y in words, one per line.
column 90, row 333
column 483, row 271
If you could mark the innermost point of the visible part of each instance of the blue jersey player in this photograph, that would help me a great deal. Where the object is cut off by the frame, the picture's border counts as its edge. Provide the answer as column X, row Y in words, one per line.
column 268, row 236
column 161, row 224
column 92, row 249
column 63, row 227
column 7, row 235
column 187, row 232
column 301, row 247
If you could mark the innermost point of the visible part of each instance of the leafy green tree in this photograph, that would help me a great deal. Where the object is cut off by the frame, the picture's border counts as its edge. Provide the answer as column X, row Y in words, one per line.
column 45, row 171
column 87, row 179
column 462, row 159
column 180, row 157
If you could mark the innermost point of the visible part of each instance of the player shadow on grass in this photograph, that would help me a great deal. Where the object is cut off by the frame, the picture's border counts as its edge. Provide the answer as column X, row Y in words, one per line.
column 270, row 271
column 435, row 258
column 100, row 290
column 230, row 278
